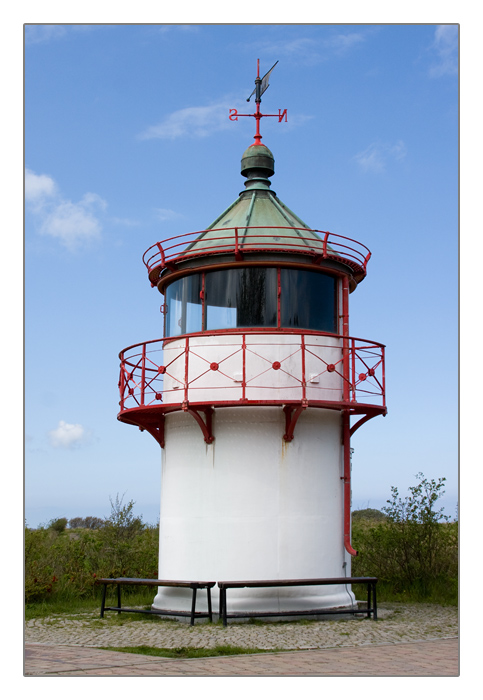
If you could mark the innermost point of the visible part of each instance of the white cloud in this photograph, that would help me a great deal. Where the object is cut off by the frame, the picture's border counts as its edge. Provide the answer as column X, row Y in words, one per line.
column 42, row 33
column 312, row 51
column 38, row 188
column 445, row 50
column 167, row 214
column 192, row 121
column 67, row 435
column 376, row 156
column 72, row 223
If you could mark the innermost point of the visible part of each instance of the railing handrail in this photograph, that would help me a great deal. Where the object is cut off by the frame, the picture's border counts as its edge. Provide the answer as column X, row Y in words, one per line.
column 250, row 331
column 330, row 245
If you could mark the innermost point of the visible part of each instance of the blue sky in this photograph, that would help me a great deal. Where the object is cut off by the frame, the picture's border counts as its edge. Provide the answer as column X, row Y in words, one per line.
column 128, row 141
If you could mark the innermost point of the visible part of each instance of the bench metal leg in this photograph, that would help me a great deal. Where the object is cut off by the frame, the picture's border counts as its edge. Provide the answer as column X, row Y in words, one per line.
column 208, row 595
column 119, row 598
column 223, row 606
column 374, row 614
column 369, row 589
column 193, row 607
column 103, row 602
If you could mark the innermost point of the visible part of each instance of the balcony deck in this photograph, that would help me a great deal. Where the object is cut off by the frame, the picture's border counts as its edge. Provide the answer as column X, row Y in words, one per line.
column 230, row 368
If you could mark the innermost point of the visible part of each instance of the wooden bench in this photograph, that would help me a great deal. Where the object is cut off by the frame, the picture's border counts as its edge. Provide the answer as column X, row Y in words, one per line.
column 194, row 585
column 370, row 582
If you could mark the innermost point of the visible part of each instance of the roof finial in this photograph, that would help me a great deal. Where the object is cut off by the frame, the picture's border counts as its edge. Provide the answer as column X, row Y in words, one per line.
column 261, row 84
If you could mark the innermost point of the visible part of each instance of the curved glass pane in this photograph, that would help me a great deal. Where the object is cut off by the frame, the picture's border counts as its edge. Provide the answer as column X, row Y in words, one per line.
column 241, row 298
column 308, row 300
column 184, row 312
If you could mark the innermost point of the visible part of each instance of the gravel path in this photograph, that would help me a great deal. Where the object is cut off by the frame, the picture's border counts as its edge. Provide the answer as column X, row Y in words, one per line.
column 396, row 623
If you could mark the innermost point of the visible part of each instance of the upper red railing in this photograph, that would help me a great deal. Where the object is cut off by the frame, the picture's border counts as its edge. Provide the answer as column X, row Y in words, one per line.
column 251, row 239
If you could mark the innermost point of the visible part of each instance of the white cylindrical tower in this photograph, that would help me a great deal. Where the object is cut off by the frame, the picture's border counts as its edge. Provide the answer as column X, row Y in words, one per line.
column 251, row 393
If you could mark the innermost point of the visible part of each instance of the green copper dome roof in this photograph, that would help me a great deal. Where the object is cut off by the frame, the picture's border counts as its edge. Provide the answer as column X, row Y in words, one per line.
column 276, row 227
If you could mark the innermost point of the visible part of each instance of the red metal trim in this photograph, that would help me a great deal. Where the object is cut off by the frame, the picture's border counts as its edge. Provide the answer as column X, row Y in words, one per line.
column 206, row 427
column 291, row 420
column 361, row 422
column 279, row 296
column 330, row 246
column 326, row 269
column 143, row 397
column 304, row 382
column 345, row 335
column 347, row 484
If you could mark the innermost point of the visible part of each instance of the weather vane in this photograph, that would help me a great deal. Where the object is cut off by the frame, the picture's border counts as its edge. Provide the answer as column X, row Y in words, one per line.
column 261, row 84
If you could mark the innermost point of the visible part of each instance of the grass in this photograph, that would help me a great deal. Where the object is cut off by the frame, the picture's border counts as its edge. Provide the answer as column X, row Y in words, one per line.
column 74, row 606
column 192, row 652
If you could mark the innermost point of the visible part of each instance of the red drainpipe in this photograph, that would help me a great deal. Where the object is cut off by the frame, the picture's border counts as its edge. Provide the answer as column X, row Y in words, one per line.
column 346, row 434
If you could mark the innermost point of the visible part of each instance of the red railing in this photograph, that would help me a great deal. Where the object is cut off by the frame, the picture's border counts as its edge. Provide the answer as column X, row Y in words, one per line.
column 238, row 241
column 230, row 368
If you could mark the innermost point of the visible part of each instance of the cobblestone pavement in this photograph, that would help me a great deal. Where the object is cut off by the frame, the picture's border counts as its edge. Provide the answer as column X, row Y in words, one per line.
column 397, row 623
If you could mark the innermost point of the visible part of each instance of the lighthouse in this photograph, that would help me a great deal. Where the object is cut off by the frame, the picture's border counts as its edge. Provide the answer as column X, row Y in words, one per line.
column 253, row 394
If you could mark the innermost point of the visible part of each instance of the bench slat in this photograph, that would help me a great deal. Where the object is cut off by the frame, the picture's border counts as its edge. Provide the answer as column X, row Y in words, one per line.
column 296, row 582
column 158, row 582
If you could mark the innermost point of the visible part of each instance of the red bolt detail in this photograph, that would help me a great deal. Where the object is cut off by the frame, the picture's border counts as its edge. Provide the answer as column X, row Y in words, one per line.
column 276, row 365
column 362, row 377
column 371, row 372
column 158, row 396
column 161, row 369
column 330, row 368
column 131, row 391
column 214, row 366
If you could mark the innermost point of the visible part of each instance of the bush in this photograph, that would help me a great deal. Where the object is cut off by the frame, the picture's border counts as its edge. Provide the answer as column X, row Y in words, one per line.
column 368, row 514
column 57, row 524
column 64, row 565
column 89, row 523
column 415, row 550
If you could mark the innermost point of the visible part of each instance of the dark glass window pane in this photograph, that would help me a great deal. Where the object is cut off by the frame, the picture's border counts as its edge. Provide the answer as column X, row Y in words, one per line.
column 241, row 298
column 184, row 312
column 308, row 300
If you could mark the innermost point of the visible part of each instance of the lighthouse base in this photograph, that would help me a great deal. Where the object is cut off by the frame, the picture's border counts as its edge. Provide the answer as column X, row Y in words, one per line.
column 257, row 601
column 252, row 506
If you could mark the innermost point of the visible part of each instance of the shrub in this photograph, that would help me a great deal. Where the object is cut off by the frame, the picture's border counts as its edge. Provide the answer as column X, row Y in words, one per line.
column 63, row 564
column 89, row 523
column 415, row 549
column 57, row 524
column 368, row 514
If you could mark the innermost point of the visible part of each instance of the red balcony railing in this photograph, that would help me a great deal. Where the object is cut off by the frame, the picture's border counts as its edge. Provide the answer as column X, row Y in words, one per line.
column 238, row 241
column 231, row 368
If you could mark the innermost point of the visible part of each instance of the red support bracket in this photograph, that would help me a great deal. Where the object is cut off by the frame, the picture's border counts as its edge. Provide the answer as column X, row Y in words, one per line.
column 206, row 427
column 157, row 431
column 291, row 420
column 360, row 422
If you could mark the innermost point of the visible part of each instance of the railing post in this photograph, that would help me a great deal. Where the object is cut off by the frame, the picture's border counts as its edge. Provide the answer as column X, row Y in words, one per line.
column 161, row 251
column 383, row 356
column 122, row 382
column 187, row 349
column 244, row 368
column 304, row 387
column 345, row 339
column 143, row 373
column 366, row 260
column 324, row 248
column 353, row 352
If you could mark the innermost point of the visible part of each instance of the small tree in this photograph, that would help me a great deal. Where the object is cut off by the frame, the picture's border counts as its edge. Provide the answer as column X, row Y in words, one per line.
column 417, row 533
column 120, row 534
column 415, row 546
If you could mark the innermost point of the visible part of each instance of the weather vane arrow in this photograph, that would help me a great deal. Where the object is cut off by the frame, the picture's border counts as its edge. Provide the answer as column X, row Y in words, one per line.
column 261, row 84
